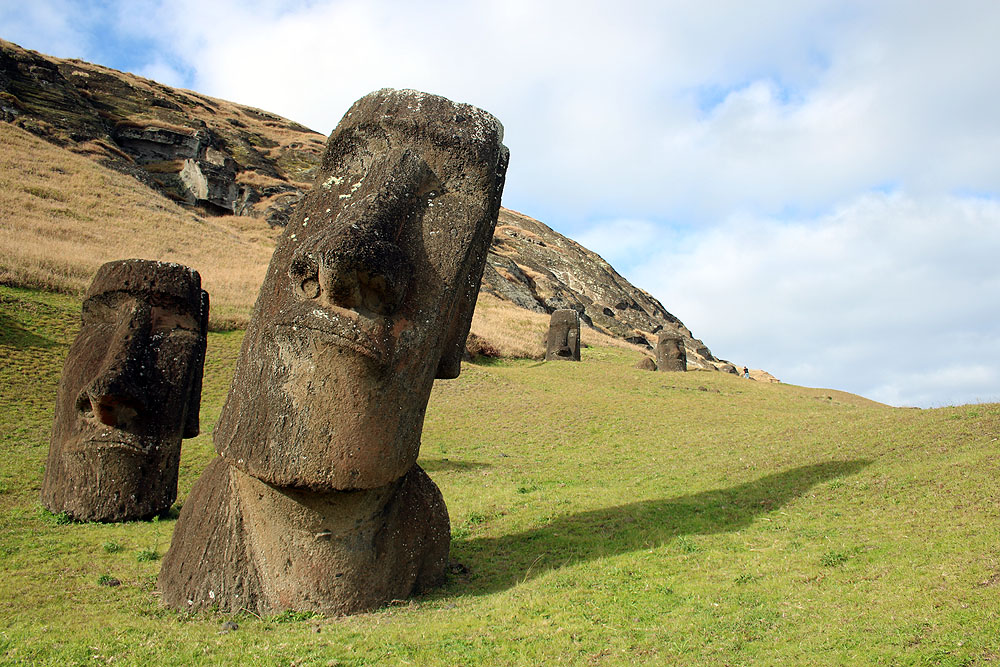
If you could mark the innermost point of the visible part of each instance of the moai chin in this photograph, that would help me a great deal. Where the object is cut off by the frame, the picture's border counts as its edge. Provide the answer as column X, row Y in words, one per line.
column 316, row 501
column 670, row 354
column 563, row 339
column 130, row 391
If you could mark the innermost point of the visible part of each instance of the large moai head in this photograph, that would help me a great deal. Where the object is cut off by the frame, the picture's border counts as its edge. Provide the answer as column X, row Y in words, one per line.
column 130, row 391
column 563, row 339
column 670, row 353
column 368, row 297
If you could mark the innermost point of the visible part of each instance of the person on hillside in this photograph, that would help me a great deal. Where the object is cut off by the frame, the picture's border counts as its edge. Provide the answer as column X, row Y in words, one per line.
column 746, row 372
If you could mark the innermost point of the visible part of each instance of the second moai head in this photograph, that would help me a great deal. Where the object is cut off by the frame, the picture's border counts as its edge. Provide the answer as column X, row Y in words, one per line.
column 670, row 353
column 130, row 391
column 369, row 296
column 563, row 339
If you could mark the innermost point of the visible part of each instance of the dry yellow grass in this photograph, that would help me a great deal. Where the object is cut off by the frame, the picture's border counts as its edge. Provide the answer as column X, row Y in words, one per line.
column 62, row 216
column 514, row 331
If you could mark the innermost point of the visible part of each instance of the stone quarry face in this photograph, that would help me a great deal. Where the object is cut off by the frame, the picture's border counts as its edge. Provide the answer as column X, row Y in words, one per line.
column 563, row 339
column 368, row 297
column 670, row 353
column 129, row 392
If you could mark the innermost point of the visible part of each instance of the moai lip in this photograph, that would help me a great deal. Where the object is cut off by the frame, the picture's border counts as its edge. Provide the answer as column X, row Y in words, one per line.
column 130, row 391
column 563, row 339
column 368, row 297
column 670, row 353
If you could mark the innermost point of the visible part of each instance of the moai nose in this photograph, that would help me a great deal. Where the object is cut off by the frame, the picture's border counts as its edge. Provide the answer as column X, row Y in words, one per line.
column 115, row 396
column 116, row 411
column 353, row 273
column 357, row 262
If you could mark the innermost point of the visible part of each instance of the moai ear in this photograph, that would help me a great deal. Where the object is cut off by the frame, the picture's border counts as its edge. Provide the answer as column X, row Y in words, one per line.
column 192, row 425
column 450, row 364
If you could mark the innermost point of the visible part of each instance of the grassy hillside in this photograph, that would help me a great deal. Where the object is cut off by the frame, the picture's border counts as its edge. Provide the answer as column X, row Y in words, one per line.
column 63, row 215
column 600, row 515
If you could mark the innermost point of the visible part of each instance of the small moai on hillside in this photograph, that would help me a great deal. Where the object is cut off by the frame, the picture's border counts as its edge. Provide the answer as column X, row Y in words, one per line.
column 670, row 354
column 646, row 364
column 316, row 502
column 130, row 391
column 563, row 339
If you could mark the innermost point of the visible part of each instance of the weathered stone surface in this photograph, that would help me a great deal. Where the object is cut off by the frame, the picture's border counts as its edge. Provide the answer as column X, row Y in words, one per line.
column 368, row 297
column 316, row 501
column 241, row 543
column 670, row 354
column 563, row 340
column 646, row 364
column 149, row 143
column 639, row 340
column 130, row 391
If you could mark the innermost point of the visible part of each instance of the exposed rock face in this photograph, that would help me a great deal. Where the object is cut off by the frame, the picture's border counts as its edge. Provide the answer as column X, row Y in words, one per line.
column 195, row 149
column 129, row 392
column 316, row 501
column 563, row 340
column 670, row 355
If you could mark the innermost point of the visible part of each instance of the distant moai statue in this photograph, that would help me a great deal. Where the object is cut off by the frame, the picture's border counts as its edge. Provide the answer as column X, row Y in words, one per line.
column 646, row 364
column 563, row 340
column 315, row 501
column 670, row 354
column 130, row 391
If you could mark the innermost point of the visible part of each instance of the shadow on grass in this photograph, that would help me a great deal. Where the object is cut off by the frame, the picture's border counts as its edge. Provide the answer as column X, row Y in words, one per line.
column 13, row 334
column 499, row 563
column 440, row 465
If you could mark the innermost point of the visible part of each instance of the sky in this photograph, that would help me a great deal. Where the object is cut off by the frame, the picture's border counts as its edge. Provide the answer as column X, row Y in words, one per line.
column 812, row 187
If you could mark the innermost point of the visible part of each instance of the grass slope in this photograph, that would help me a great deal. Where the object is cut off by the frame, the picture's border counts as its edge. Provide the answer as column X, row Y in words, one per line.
column 600, row 515
column 62, row 216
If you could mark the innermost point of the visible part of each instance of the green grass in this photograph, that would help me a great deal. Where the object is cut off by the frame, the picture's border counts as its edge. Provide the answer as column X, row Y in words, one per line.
column 600, row 515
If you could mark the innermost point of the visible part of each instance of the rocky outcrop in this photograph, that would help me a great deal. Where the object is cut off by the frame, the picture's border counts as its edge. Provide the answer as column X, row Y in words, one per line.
column 200, row 151
column 539, row 269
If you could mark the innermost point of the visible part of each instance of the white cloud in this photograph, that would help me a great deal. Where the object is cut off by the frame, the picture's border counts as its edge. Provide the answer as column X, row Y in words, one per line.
column 43, row 24
column 890, row 296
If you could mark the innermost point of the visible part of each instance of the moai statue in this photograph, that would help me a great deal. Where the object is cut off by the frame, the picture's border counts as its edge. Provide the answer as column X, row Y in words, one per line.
column 646, row 364
column 130, row 391
column 316, row 501
column 563, row 340
column 670, row 354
